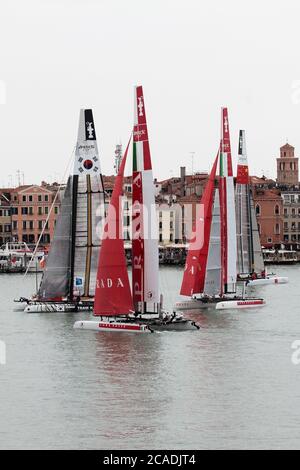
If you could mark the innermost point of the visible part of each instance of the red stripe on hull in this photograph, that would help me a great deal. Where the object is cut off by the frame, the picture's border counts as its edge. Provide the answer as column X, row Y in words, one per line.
column 250, row 302
column 120, row 326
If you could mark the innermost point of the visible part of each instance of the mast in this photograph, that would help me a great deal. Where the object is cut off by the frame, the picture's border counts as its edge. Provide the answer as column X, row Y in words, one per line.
column 145, row 269
column 227, row 210
column 113, row 295
column 73, row 233
column 194, row 276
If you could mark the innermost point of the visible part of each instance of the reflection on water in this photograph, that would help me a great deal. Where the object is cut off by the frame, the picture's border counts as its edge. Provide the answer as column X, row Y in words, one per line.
column 229, row 385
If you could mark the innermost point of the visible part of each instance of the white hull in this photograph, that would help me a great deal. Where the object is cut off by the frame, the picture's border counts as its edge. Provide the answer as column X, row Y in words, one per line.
column 112, row 326
column 49, row 308
column 193, row 304
column 240, row 304
column 268, row 281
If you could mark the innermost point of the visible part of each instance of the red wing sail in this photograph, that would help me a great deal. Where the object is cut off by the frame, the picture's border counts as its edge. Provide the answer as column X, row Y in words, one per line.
column 113, row 294
column 196, row 262
column 144, row 231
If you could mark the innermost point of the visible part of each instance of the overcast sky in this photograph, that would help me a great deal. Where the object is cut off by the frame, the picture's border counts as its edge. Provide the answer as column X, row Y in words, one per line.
column 191, row 57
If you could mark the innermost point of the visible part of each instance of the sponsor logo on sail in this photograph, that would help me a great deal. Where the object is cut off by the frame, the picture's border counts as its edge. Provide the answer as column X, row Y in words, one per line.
column 109, row 283
column 140, row 106
column 90, row 130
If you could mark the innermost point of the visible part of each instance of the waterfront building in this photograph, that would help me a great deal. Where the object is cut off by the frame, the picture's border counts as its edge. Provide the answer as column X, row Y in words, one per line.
column 31, row 213
column 5, row 217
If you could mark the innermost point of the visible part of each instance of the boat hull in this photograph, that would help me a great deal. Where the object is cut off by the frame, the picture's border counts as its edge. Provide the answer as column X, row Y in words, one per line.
column 267, row 281
column 114, row 326
column 194, row 304
column 240, row 304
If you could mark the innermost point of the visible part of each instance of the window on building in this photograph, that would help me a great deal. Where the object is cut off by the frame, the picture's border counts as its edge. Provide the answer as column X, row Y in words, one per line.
column 31, row 224
column 160, row 237
column 171, row 225
column 160, row 213
column 293, row 212
column 160, row 224
column 31, row 238
column 24, row 198
column 15, row 225
column 285, row 212
column 257, row 209
column 30, row 198
column 269, row 240
column 56, row 210
column 30, row 210
column 24, row 211
column 40, row 210
column 24, row 225
column 46, row 210
column 171, row 237
column 285, row 238
column 277, row 229
column 293, row 226
column 277, row 210
column 40, row 224
column 285, row 226
column 46, row 198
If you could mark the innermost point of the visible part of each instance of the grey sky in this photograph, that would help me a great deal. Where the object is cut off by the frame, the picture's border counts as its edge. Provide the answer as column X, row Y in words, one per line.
column 191, row 57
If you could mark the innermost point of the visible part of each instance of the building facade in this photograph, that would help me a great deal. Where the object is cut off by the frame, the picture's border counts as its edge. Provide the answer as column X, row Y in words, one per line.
column 31, row 215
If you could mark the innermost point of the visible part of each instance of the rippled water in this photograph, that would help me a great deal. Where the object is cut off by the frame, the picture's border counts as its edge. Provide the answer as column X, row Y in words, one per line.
column 230, row 385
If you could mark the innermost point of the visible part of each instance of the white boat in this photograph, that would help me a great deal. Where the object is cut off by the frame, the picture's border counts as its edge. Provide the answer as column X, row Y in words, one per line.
column 139, row 310
column 16, row 256
column 267, row 281
column 250, row 262
column 210, row 276
column 240, row 304
column 112, row 326
column 69, row 277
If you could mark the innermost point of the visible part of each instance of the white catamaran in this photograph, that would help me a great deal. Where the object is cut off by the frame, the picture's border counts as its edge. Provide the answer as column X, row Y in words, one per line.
column 250, row 263
column 117, row 307
column 210, row 276
column 69, row 277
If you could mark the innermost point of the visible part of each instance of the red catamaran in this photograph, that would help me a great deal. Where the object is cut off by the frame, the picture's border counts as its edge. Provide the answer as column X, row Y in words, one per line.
column 117, row 307
column 210, row 273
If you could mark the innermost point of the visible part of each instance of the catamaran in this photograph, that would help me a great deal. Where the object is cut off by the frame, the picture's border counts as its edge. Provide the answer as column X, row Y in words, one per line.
column 210, row 275
column 250, row 263
column 69, row 279
column 117, row 307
